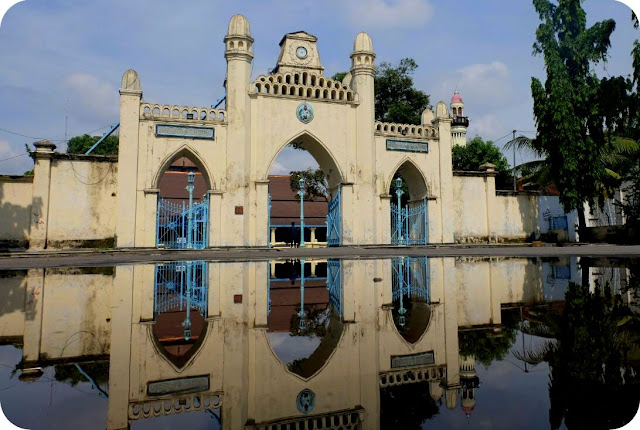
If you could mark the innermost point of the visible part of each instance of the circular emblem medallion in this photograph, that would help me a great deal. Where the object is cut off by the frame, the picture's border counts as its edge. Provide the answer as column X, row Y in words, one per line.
column 305, row 112
column 306, row 401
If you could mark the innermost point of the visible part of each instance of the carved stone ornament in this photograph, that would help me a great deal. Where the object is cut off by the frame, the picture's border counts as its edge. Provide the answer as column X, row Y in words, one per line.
column 306, row 401
column 130, row 81
column 305, row 112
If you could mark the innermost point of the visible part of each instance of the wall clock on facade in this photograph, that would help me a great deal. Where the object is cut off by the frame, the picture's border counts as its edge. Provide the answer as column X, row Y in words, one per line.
column 301, row 52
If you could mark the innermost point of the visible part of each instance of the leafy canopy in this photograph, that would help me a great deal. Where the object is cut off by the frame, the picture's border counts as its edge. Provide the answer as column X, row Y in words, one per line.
column 566, row 110
column 478, row 152
column 396, row 100
column 81, row 144
column 315, row 183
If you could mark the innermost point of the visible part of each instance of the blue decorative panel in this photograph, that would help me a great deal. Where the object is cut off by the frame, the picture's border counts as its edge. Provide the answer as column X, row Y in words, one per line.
column 190, row 131
column 407, row 145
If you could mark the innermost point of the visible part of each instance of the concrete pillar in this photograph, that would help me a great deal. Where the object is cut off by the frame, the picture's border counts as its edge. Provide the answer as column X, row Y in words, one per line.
column 215, row 219
column 272, row 236
column 452, row 350
column 130, row 96
column 40, row 202
column 490, row 189
column 447, row 214
column 239, row 191
column 33, row 316
column 362, row 82
column 272, row 271
column 313, row 235
column 151, row 215
column 313, row 264
column 120, row 355
column 384, row 232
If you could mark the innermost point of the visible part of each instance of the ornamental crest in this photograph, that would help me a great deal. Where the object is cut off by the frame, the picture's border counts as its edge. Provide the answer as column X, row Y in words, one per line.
column 305, row 112
column 306, row 401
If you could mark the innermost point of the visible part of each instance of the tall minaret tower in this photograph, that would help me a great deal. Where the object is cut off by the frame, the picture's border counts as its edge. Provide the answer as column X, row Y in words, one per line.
column 460, row 122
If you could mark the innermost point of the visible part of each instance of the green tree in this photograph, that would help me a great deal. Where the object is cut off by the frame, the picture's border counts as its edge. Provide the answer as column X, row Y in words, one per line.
column 315, row 183
column 339, row 76
column 592, row 342
column 81, row 144
column 396, row 100
column 478, row 152
column 569, row 123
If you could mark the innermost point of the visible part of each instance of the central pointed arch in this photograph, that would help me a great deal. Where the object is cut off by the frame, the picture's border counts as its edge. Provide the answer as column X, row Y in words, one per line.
column 323, row 155
column 191, row 154
column 286, row 224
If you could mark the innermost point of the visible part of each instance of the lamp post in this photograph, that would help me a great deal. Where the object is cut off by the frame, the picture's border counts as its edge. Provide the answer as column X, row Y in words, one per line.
column 302, row 323
column 190, row 187
column 399, row 194
column 301, row 194
column 402, row 311
column 186, row 324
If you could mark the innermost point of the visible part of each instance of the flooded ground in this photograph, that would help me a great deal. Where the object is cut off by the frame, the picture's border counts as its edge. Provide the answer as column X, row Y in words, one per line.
column 400, row 343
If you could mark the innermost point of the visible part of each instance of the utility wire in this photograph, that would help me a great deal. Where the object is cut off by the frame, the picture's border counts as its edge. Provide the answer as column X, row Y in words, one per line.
column 52, row 140
column 41, row 138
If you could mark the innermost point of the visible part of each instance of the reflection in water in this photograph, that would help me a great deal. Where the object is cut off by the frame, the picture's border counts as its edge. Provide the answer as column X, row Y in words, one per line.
column 304, row 313
column 410, row 292
column 241, row 345
column 180, row 309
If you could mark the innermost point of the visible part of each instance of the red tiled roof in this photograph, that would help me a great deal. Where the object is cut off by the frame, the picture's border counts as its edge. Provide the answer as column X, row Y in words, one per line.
column 285, row 204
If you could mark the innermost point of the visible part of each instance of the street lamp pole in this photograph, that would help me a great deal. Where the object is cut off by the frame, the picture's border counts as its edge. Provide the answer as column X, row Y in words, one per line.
column 190, row 187
column 399, row 194
column 402, row 311
column 301, row 194
column 186, row 324
column 302, row 323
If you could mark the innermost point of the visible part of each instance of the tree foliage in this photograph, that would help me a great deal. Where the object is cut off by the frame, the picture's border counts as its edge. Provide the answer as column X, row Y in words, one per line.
column 81, row 144
column 315, row 183
column 593, row 383
column 566, row 108
column 478, row 152
column 339, row 76
column 396, row 100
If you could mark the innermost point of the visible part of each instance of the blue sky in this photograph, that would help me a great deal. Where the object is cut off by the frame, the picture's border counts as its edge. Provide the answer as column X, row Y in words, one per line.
column 67, row 57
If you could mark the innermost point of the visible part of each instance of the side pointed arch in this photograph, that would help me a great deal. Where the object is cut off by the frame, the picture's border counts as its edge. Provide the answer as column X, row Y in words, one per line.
column 191, row 154
column 318, row 150
column 416, row 180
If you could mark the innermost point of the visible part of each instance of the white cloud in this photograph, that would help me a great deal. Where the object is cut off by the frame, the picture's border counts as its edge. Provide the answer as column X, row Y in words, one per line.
column 486, row 83
column 487, row 126
column 92, row 97
column 389, row 13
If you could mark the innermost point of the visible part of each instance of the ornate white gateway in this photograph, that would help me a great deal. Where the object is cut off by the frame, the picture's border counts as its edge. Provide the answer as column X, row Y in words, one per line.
column 294, row 104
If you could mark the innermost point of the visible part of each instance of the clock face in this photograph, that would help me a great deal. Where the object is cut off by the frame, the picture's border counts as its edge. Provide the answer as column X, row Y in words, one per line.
column 301, row 52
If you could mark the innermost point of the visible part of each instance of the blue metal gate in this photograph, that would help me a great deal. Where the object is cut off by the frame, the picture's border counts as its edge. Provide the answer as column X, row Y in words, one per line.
column 172, row 226
column 409, row 224
column 180, row 285
column 334, row 283
column 334, row 221
column 410, row 278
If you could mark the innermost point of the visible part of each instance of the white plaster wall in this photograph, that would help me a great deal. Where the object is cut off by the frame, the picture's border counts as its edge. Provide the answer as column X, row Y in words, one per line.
column 82, row 328
column 13, row 286
column 470, row 207
column 16, row 194
column 82, row 200
column 552, row 204
column 517, row 216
